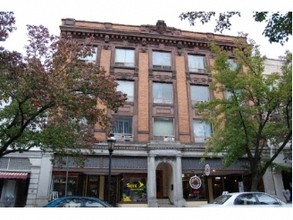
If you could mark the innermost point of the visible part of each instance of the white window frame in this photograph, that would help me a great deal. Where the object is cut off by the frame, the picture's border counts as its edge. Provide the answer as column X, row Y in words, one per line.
column 199, row 93
column 196, row 63
column 125, row 135
column 232, row 64
column 161, row 60
column 126, row 87
column 163, row 132
column 91, row 58
column 200, row 130
column 163, row 93
column 124, row 57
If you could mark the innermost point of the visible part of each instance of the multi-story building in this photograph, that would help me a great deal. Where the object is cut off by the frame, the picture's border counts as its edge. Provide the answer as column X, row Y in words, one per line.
column 160, row 137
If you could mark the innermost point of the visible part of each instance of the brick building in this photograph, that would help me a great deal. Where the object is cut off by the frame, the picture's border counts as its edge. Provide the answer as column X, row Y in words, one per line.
column 160, row 138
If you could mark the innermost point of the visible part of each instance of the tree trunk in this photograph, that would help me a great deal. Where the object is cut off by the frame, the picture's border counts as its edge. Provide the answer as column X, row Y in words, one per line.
column 254, row 182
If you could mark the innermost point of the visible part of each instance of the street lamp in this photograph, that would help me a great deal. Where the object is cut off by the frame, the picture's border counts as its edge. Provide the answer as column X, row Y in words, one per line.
column 111, row 143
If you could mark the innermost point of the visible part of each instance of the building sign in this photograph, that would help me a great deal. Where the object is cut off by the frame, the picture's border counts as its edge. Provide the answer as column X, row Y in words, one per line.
column 207, row 169
column 195, row 182
column 136, row 186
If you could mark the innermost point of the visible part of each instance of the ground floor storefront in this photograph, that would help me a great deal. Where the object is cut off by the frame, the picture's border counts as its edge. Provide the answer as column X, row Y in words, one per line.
column 143, row 180
column 140, row 177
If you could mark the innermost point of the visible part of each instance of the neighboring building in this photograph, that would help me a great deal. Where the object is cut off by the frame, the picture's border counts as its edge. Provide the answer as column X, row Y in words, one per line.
column 25, row 179
column 160, row 139
column 279, row 176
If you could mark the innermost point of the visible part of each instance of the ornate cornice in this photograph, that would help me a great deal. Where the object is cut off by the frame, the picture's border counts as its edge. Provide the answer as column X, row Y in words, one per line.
column 144, row 35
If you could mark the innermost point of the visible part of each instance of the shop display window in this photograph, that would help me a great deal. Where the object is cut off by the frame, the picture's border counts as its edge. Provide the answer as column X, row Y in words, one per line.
column 134, row 189
column 190, row 193
column 93, row 186
column 59, row 185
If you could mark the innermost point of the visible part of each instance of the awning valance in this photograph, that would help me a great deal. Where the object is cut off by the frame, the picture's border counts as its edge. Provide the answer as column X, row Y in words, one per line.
column 13, row 175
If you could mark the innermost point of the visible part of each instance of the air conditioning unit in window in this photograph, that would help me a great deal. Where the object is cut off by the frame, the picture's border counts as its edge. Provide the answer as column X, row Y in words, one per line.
column 128, row 138
column 168, row 138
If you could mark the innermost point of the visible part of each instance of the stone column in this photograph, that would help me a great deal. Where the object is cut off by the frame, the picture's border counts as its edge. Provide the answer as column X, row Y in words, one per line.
column 45, row 180
column 179, row 200
column 151, row 182
column 40, row 180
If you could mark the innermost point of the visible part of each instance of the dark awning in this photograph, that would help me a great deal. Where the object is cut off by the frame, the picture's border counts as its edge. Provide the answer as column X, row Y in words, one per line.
column 13, row 175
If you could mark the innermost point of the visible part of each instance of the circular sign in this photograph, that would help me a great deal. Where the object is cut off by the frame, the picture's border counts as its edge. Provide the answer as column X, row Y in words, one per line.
column 195, row 182
column 207, row 169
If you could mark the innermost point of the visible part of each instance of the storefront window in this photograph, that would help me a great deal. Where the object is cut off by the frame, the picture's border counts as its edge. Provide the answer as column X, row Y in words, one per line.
column 189, row 192
column 93, row 186
column 134, row 189
column 60, row 185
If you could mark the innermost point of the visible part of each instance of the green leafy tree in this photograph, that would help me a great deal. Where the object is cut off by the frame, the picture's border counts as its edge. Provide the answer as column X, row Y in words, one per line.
column 254, row 115
column 50, row 98
column 278, row 27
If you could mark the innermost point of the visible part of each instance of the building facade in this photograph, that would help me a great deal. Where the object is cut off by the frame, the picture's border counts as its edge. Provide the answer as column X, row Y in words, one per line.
column 279, row 176
column 160, row 137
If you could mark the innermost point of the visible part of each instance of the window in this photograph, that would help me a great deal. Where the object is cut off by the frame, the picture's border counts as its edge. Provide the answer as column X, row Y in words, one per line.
column 235, row 97
column 162, row 93
column 221, row 199
column 59, row 185
column 123, row 128
column 91, row 58
column 124, row 57
column 190, row 193
column 196, row 63
column 163, row 129
column 126, row 87
column 266, row 199
column 245, row 199
column 161, row 60
column 70, row 203
column 92, row 186
column 199, row 93
column 202, row 130
column 134, row 188
column 232, row 64
column 92, row 203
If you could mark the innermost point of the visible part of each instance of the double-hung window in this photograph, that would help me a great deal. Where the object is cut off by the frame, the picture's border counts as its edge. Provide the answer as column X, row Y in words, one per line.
column 199, row 94
column 163, row 93
column 202, row 130
column 92, row 58
column 124, row 57
column 123, row 128
column 196, row 63
column 126, row 87
column 232, row 64
column 161, row 60
column 163, row 129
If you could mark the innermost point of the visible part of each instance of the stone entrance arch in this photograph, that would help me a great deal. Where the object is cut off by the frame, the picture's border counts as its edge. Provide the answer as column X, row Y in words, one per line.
column 165, row 179
column 167, row 165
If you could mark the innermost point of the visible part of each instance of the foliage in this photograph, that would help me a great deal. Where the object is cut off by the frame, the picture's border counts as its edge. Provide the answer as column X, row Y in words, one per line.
column 278, row 26
column 7, row 22
column 255, row 112
column 51, row 98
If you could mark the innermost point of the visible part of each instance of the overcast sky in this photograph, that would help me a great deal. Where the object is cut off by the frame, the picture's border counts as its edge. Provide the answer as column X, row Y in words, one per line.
column 141, row 12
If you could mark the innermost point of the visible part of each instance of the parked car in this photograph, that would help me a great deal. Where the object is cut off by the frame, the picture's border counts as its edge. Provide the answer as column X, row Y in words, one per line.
column 78, row 202
column 245, row 199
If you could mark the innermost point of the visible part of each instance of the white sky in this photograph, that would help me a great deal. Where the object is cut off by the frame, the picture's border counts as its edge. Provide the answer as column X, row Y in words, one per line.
column 141, row 12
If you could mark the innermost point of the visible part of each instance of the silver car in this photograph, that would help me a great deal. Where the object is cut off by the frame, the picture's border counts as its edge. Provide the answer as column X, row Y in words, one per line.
column 244, row 199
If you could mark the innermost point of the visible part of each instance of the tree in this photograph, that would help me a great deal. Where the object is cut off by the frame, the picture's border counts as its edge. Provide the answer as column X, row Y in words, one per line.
column 254, row 115
column 278, row 26
column 51, row 98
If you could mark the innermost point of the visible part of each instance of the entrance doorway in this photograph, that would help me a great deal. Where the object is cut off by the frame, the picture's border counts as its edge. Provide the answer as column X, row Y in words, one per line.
column 164, row 181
